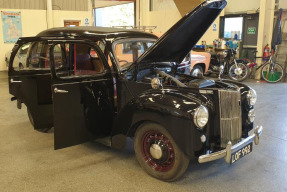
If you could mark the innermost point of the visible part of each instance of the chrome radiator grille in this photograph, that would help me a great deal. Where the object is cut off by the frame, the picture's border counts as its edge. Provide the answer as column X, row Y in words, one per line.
column 230, row 117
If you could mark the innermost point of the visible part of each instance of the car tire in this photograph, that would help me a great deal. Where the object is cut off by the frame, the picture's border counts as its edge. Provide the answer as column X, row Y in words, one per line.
column 31, row 119
column 197, row 71
column 158, row 153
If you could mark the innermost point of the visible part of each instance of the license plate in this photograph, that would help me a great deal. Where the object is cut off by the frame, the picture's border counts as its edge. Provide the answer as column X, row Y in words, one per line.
column 241, row 153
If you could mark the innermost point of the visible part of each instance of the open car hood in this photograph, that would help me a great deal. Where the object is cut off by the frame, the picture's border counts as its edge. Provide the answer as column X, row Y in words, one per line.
column 177, row 42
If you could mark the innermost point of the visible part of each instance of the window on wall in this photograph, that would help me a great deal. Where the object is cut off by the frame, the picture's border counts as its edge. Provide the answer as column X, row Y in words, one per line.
column 233, row 26
column 119, row 15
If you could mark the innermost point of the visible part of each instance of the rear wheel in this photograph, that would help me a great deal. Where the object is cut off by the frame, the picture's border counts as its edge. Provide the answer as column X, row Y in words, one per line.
column 272, row 73
column 30, row 116
column 158, row 154
column 239, row 73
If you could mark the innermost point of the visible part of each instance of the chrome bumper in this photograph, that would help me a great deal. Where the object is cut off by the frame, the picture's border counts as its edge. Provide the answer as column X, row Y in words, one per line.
column 226, row 153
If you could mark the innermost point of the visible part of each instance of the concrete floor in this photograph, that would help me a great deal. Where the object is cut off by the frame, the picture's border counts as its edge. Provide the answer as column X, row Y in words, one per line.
column 28, row 161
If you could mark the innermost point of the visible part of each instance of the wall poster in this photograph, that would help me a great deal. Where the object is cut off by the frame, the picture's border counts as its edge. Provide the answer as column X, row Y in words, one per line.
column 12, row 26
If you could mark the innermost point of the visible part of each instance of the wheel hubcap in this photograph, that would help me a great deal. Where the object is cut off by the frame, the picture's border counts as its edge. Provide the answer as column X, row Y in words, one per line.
column 155, row 151
column 238, row 71
column 158, row 151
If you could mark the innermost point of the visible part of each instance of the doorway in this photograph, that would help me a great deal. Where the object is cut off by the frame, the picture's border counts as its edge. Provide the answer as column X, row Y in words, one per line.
column 72, row 23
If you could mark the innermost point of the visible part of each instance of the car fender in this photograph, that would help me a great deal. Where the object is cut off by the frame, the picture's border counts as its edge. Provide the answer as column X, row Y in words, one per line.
column 202, row 58
column 171, row 109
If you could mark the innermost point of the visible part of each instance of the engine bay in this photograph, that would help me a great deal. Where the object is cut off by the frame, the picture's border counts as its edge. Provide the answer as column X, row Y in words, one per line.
column 169, row 76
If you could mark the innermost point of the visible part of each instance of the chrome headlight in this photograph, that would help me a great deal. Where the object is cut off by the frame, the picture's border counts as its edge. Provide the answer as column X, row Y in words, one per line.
column 252, row 97
column 200, row 116
column 251, row 116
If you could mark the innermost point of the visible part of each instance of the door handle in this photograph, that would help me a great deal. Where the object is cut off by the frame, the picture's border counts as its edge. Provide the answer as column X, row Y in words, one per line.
column 12, row 81
column 56, row 90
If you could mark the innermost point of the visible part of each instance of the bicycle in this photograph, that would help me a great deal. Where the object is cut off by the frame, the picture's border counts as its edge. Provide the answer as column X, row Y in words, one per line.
column 271, row 72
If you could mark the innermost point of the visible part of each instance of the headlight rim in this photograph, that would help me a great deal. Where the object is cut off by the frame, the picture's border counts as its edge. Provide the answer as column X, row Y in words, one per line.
column 195, row 116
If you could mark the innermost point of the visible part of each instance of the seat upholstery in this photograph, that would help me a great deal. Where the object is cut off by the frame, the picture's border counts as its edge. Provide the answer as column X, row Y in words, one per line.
column 86, row 65
column 84, row 62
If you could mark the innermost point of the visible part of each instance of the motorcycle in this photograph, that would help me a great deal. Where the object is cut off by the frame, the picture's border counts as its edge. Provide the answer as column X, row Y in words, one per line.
column 225, row 62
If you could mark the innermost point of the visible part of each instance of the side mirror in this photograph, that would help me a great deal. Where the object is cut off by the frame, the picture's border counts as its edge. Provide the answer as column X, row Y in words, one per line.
column 155, row 83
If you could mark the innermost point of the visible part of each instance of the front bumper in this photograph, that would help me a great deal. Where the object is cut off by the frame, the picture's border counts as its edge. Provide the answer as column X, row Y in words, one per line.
column 226, row 153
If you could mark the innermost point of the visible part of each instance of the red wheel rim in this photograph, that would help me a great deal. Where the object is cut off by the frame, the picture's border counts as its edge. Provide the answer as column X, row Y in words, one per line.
column 166, row 162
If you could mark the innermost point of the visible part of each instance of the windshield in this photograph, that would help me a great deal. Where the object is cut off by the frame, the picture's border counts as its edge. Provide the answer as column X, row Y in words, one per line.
column 129, row 50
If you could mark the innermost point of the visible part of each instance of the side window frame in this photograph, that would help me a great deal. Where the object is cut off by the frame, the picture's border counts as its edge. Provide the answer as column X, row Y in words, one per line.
column 22, row 41
column 92, row 45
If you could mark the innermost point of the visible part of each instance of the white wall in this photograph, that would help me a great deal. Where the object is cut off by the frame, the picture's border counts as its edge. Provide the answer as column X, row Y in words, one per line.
column 167, row 16
column 283, row 4
column 101, row 3
column 60, row 16
column 164, row 18
column 240, row 6
column 34, row 21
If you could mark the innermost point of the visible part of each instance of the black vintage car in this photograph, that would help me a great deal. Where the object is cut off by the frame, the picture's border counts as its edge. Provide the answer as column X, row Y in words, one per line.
column 90, row 82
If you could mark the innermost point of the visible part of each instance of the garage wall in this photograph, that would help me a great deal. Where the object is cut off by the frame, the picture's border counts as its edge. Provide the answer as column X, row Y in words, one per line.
column 236, row 6
column 72, row 5
column 164, row 16
column 60, row 16
column 34, row 21
column 103, row 3
column 167, row 16
column 283, row 4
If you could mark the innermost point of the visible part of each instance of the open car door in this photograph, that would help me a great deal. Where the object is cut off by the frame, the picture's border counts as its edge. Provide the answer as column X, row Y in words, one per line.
column 30, row 80
column 82, row 89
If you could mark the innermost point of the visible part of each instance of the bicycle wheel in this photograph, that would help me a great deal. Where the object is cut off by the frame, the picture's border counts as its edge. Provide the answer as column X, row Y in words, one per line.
column 239, row 73
column 272, row 73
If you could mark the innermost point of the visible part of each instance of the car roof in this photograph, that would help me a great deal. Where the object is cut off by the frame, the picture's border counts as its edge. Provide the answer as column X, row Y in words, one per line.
column 98, row 32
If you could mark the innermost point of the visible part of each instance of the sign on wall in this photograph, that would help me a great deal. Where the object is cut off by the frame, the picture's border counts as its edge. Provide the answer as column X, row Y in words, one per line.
column 12, row 26
column 214, row 27
column 251, row 31
column 87, row 21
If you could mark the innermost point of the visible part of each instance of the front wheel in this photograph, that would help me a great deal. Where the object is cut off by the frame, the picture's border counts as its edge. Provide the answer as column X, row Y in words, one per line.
column 197, row 71
column 239, row 73
column 158, row 154
column 272, row 73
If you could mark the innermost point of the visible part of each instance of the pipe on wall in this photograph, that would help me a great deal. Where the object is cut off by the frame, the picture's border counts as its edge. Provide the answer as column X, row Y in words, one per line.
column 50, row 23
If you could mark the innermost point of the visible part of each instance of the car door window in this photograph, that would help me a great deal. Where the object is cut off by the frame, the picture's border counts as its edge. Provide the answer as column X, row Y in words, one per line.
column 77, row 59
column 20, row 58
column 32, row 55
